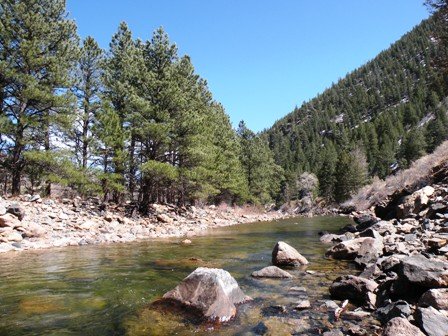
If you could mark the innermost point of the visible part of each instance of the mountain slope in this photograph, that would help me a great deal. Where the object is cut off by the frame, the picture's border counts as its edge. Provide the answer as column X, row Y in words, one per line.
column 389, row 109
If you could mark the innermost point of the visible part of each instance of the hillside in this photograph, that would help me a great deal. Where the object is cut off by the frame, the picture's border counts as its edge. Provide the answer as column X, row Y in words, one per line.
column 386, row 113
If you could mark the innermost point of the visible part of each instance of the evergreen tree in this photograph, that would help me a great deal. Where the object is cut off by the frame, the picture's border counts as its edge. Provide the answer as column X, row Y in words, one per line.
column 262, row 174
column 121, row 71
column 350, row 174
column 412, row 147
column 87, row 90
column 38, row 49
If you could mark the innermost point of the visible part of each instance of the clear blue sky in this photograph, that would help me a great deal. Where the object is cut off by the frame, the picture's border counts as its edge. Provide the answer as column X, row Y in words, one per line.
column 261, row 58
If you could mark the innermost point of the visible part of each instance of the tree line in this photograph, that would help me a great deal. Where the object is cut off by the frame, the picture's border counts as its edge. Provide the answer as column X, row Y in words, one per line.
column 135, row 122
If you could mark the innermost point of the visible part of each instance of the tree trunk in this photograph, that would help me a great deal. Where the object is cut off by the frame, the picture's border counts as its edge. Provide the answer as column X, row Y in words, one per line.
column 85, row 132
column 17, row 161
column 132, row 168
column 47, row 149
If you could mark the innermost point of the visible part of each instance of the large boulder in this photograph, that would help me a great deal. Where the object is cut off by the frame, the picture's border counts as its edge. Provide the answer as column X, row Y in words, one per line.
column 364, row 249
column 432, row 321
column 421, row 271
column 399, row 326
column 212, row 292
column 271, row 272
column 414, row 203
column 437, row 298
column 356, row 289
column 286, row 255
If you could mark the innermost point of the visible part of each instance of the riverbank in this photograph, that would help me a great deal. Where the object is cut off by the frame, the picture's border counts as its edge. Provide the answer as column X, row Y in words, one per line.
column 30, row 222
column 400, row 245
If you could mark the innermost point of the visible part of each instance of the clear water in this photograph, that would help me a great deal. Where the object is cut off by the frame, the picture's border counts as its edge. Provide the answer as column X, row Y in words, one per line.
column 107, row 290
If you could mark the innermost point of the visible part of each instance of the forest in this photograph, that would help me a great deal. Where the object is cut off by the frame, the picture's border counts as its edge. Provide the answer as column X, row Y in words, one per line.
column 137, row 123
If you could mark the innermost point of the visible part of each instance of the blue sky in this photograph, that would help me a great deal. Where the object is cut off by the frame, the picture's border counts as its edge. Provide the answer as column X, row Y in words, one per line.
column 261, row 58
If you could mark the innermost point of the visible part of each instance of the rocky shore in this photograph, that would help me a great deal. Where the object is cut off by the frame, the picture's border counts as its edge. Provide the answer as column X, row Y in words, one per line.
column 401, row 247
column 30, row 222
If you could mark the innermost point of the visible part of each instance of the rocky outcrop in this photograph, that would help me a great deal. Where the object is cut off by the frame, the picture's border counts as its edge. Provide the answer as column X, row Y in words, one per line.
column 214, row 293
column 399, row 326
column 271, row 272
column 286, row 255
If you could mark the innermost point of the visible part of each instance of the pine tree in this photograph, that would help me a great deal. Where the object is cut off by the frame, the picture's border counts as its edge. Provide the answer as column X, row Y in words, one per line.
column 350, row 174
column 412, row 147
column 38, row 48
column 121, row 73
column 87, row 89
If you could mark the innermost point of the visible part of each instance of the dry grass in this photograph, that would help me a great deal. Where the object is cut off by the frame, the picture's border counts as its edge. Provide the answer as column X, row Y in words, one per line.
column 417, row 175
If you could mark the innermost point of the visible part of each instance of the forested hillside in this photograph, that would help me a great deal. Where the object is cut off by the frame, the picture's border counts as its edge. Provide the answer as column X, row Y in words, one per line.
column 377, row 119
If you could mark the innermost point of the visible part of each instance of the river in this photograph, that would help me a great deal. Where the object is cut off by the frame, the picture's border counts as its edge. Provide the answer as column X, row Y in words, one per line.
column 107, row 290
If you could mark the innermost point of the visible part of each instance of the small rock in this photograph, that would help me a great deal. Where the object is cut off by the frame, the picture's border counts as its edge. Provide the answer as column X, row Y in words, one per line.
column 164, row 218
column 333, row 332
column 304, row 304
column 16, row 210
column 9, row 220
column 186, row 241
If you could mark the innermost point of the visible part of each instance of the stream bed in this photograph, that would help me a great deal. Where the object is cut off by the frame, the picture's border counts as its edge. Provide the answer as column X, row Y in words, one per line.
column 107, row 290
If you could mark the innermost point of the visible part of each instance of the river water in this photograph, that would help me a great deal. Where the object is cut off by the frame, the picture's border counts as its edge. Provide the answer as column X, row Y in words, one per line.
column 107, row 290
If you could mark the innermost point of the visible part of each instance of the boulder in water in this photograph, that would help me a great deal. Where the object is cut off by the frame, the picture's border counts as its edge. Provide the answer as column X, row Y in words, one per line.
column 286, row 255
column 212, row 292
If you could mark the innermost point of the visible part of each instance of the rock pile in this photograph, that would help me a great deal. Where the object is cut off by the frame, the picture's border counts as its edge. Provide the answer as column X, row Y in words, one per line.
column 30, row 222
column 404, row 262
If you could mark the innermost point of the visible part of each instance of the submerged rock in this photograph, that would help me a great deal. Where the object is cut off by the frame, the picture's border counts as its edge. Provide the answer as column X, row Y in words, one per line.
column 286, row 255
column 399, row 326
column 212, row 292
column 271, row 272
